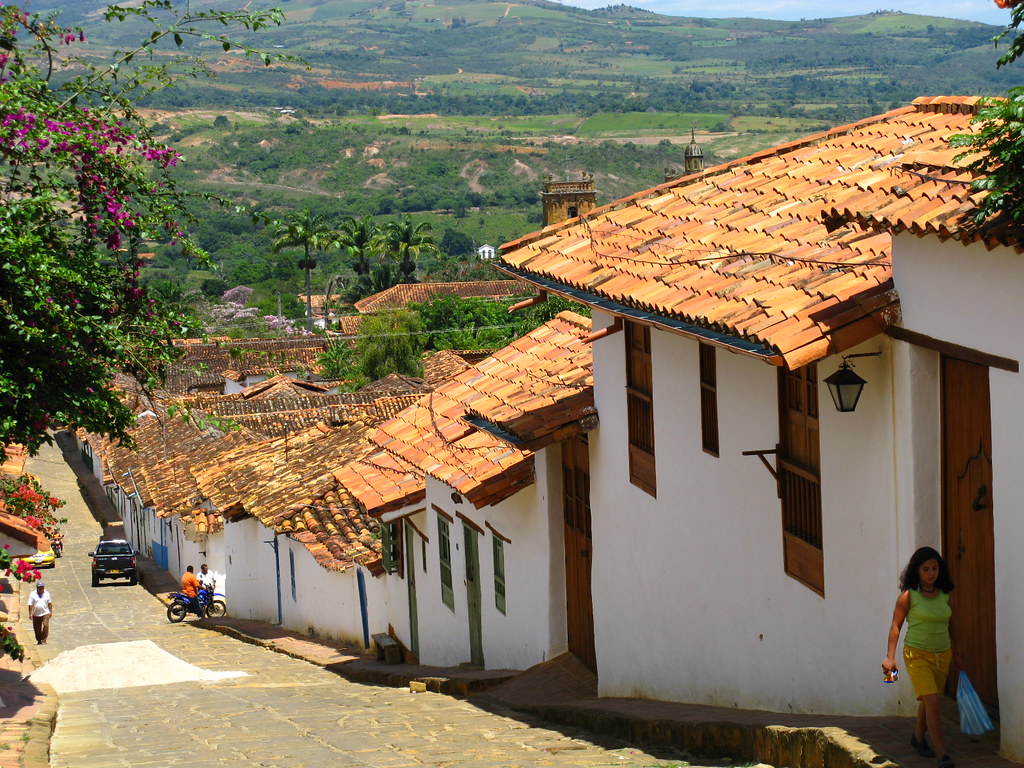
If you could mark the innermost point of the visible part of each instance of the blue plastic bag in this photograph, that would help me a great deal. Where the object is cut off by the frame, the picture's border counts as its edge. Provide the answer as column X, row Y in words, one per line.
column 974, row 720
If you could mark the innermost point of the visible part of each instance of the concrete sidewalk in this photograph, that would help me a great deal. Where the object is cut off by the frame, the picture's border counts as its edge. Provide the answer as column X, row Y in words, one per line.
column 562, row 691
column 27, row 710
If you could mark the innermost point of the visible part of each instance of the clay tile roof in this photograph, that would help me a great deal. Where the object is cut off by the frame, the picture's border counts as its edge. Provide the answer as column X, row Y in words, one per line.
column 478, row 432
column 443, row 365
column 171, row 483
column 287, row 484
column 930, row 194
column 755, row 254
column 381, row 482
column 318, row 300
column 158, row 439
column 337, row 533
column 205, row 366
column 395, row 384
column 279, row 416
column 14, row 527
column 404, row 294
column 280, row 386
column 349, row 324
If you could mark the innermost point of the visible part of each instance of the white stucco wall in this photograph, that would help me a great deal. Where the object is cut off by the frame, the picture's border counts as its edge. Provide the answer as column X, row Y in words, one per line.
column 971, row 296
column 691, row 600
column 532, row 629
column 326, row 603
column 216, row 559
column 250, row 571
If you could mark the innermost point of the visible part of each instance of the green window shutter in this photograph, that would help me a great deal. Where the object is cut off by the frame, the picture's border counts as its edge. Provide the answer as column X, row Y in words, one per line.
column 389, row 545
column 499, row 573
column 445, row 556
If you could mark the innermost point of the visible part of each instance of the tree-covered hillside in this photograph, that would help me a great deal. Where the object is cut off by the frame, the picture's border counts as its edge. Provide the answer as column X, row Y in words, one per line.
column 535, row 57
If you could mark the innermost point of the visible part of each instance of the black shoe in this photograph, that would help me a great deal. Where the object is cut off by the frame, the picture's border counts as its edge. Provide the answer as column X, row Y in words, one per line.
column 924, row 749
column 946, row 762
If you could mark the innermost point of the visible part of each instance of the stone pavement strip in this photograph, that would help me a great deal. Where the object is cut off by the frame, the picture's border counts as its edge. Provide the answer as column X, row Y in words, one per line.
column 286, row 713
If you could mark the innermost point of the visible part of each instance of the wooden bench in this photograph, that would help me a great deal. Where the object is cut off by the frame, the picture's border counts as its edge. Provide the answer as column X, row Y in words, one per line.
column 388, row 649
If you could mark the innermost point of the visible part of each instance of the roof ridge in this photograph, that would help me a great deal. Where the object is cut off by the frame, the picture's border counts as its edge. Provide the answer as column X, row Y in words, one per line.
column 958, row 105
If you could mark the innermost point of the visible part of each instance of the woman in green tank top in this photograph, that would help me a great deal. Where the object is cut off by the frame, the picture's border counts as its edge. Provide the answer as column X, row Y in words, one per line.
column 928, row 647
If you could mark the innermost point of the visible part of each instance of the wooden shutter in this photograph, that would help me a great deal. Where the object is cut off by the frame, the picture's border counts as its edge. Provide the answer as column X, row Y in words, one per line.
column 640, row 407
column 391, row 547
column 800, row 476
column 444, row 546
column 708, row 399
column 498, row 552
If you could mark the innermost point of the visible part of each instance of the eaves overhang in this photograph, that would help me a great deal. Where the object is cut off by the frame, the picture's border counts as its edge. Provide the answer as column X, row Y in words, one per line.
column 670, row 324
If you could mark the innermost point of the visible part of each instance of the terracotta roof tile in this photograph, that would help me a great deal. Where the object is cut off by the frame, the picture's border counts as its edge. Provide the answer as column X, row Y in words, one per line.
column 205, row 366
column 16, row 527
column 381, row 482
column 265, row 479
column 745, row 248
column 404, row 294
column 478, row 432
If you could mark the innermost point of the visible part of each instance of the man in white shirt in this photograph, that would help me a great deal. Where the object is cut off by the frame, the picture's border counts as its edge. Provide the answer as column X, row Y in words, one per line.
column 206, row 579
column 40, row 606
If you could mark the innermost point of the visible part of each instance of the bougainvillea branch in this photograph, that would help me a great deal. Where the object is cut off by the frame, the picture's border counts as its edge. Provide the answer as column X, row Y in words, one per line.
column 83, row 183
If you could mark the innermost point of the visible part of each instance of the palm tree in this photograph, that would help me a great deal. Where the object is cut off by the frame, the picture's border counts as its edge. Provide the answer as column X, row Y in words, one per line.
column 406, row 241
column 359, row 238
column 310, row 231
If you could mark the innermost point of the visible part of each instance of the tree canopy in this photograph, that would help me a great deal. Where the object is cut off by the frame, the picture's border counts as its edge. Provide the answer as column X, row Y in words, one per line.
column 84, row 185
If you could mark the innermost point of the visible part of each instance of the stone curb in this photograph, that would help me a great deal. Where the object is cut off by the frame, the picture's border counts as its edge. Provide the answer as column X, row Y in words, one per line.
column 775, row 745
column 40, row 729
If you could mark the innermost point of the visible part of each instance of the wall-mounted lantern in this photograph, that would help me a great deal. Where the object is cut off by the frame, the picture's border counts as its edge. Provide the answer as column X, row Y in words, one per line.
column 845, row 386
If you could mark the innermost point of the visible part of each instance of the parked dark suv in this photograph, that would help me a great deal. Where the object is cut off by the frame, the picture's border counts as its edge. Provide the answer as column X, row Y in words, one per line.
column 114, row 559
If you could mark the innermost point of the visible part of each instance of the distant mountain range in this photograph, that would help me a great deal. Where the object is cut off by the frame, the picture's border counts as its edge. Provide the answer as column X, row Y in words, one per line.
column 532, row 56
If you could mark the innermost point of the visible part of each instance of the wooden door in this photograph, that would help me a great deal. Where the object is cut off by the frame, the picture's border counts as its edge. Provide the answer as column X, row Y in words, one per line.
column 579, row 606
column 967, row 522
column 410, row 580
column 476, row 642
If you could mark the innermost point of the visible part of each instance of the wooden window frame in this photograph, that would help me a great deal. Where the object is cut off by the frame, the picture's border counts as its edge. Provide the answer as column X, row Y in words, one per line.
column 392, row 548
column 708, row 399
column 640, row 408
column 799, row 475
column 444, row 556
column 498, row 560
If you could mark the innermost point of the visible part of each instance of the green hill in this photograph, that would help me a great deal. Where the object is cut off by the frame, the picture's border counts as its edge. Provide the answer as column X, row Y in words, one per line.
column 536, row 57
column 453, row 112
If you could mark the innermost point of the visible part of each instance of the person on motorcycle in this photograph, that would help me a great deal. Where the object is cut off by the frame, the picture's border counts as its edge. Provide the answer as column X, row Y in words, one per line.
column 190, row 587
column 206, row 579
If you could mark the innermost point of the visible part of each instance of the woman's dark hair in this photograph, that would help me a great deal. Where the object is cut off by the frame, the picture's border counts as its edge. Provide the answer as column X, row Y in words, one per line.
column 911, row 579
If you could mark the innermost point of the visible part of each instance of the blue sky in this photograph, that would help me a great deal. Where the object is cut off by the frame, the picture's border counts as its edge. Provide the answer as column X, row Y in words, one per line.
column 973, row 10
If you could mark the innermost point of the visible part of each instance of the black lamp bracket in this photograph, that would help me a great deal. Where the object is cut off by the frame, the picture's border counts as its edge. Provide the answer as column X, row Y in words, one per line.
column 859, row 354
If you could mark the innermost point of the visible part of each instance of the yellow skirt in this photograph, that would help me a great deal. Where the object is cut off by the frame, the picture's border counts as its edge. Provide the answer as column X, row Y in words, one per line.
column 927, row 670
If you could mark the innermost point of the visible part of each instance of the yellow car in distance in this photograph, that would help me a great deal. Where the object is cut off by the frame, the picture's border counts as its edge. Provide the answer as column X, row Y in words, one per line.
column 44, row 558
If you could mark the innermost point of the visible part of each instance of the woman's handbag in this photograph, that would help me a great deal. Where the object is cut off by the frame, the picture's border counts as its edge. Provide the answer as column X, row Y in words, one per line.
column 974, row 720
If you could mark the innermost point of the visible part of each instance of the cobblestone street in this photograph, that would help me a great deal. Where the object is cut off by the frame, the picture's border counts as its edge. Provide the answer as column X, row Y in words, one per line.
column 284, row 712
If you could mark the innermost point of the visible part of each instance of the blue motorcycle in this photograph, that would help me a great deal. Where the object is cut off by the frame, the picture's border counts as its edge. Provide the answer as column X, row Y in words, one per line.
column 211, row 604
